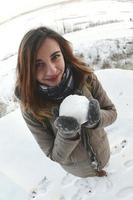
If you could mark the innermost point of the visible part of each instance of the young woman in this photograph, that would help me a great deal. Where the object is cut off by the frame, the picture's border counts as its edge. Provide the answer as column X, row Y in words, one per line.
column 48, row 72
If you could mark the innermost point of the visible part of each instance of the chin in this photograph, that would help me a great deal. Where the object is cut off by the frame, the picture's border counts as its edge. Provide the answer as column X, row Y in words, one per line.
column 54, row 84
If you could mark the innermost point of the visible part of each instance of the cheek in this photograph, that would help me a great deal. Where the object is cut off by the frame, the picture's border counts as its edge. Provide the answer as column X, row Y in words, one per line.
column 62, row 64
column 39, row 75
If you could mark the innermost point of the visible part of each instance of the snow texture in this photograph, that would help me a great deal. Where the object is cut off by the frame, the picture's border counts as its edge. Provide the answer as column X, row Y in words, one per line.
column 76, row 106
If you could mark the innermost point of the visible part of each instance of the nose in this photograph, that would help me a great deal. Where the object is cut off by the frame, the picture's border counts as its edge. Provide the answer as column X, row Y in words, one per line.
column 51, row 69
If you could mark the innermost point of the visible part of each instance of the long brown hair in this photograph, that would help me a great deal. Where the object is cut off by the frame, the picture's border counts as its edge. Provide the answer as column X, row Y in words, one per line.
column 26, row 82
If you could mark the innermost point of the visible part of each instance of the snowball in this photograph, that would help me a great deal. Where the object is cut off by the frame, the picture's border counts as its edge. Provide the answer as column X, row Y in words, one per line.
column 75, row 106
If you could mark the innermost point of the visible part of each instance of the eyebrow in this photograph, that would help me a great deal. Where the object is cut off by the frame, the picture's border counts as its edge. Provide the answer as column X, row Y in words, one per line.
column 39, row 60
column 54, row 53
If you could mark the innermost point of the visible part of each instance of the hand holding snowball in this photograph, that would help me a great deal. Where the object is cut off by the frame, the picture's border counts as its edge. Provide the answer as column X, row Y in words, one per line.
column 77, row 110
column 85, row 111
column 76, row 106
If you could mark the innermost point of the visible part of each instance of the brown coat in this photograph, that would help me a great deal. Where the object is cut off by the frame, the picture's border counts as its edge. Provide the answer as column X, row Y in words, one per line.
column 75, row 155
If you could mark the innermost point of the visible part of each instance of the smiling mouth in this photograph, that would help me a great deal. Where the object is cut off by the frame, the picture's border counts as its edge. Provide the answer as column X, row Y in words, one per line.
column 53, row 78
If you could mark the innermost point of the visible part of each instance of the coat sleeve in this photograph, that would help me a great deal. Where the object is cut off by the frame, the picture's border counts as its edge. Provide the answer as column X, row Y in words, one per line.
column 56, row 147
column 108, row 110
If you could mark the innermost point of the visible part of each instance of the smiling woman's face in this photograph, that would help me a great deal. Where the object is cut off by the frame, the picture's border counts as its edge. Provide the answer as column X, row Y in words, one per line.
column 50, row 64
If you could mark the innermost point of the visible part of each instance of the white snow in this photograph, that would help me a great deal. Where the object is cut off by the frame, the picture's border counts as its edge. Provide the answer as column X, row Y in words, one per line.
column 71, row 106
column 8, row 188
column 25, row 172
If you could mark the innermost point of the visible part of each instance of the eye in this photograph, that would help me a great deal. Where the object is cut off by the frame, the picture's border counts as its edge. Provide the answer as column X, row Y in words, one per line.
column 39, row 65
column 56, row 56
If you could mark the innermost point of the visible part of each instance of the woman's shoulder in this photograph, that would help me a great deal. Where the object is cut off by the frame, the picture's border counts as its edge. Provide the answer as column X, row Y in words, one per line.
column 91, row 78
column 92, row 83
column 27, row 114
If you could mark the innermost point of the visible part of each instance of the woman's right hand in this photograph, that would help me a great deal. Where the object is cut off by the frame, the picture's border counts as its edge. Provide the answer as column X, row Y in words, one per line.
column 68, row 127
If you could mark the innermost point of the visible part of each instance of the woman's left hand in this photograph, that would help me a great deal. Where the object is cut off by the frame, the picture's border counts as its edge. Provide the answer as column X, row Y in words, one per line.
column 93, row 114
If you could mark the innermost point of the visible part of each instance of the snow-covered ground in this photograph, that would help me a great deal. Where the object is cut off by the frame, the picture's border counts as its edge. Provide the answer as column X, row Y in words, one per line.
column 102, row 32
column 39, row 178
